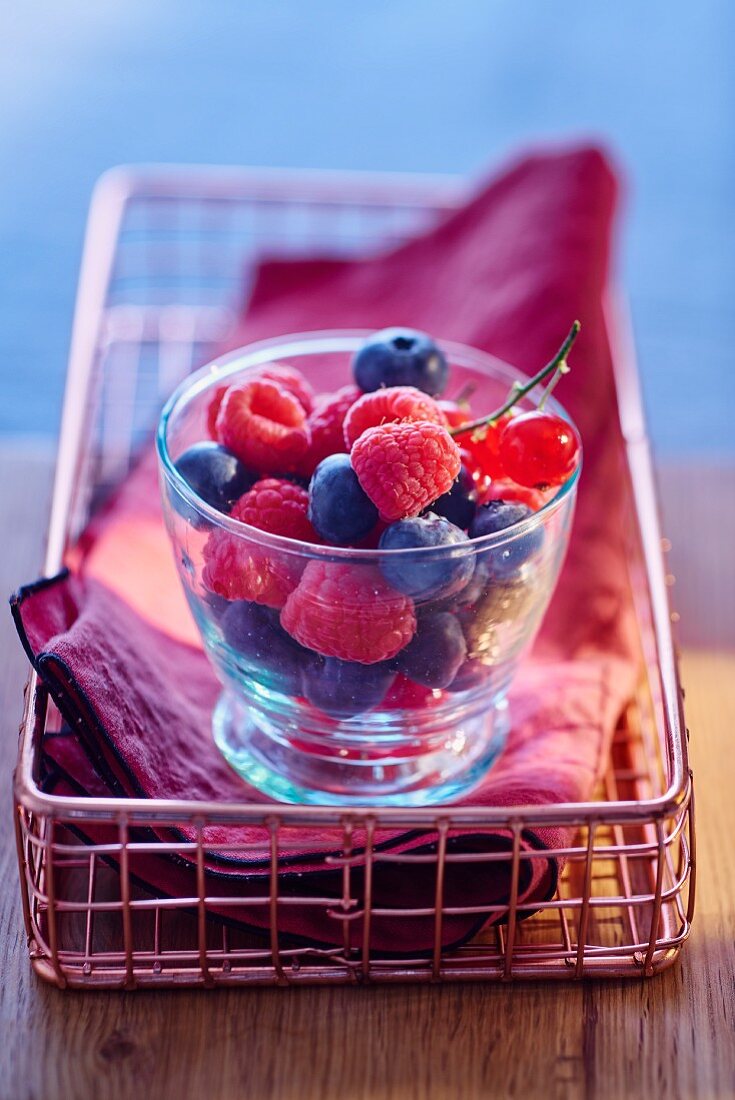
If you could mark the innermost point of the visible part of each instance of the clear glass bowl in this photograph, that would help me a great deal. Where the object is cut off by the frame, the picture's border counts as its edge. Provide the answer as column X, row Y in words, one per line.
column 305, row 728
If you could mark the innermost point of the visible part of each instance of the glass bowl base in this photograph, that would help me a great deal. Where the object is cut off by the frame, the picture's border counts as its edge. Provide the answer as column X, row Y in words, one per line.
column 278, row 764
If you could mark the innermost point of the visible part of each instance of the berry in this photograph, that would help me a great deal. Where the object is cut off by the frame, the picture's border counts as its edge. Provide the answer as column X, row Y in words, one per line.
column 345, row 688
column 385, row 406
column 538, row 449
column 348, row 611
column 435, row 652
column 424, row 575
column 264, row 425
column 479, row 673
column 278, row 506
column 237, row 569
column 469, row 461
column 400, row 357
column 498, row 606
column 372, row 538
column 505, row 601
column 405, row 694
column 291, row 379
column 216, row 605
column 215, row 474
column 255, row 633
column 288, row 378
column 484, row 446
column 326, row 427
column 470, row 674
column 213, row 409
column 501, row 594
column 496, row 516
column 404, row 467
column 505, row 489
column 459, row 504
column 456, row 415
column 339, row 508
column 472, row 591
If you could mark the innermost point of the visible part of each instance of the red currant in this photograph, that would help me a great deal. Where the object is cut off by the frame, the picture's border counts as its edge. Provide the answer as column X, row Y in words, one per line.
column 405, row 693
column 485, row 448
column 539, row 449
column 469, row 461
column 456, row 415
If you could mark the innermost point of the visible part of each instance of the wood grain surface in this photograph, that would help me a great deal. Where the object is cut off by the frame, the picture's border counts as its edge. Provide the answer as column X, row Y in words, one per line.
column 672, row 1036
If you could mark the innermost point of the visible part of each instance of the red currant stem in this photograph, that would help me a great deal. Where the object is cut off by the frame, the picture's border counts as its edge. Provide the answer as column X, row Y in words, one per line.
column 562, row 369
column 557, row 364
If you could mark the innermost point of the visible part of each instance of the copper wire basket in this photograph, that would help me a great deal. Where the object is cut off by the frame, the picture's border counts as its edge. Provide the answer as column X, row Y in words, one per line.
column 166, row 257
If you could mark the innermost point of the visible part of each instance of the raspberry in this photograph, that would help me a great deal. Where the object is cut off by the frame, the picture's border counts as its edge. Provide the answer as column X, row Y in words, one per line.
column 236, row 569
column 264, row 425
column 385, row 406
column 291, row 379
column 348, row 611
column 288, row 378
column 213, row 410
column 277, row 506
column 404, row 467
column 325, row 425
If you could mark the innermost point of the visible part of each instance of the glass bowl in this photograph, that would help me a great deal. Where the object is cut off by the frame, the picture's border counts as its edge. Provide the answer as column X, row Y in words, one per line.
column 308, row 728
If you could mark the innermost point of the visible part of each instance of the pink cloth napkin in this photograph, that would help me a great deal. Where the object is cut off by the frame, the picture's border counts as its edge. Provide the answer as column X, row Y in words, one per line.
column 113, row 640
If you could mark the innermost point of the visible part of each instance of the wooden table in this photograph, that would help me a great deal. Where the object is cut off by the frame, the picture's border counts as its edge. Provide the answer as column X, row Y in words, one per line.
column 672, row 1036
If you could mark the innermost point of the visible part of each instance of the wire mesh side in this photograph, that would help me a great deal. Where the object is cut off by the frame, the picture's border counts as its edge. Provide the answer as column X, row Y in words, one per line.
column 622, row 907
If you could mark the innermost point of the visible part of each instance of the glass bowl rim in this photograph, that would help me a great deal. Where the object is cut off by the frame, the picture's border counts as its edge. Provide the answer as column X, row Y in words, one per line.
column 325, row 341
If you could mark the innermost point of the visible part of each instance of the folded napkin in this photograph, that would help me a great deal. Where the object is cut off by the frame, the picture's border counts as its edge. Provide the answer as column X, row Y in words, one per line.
column 114, row 642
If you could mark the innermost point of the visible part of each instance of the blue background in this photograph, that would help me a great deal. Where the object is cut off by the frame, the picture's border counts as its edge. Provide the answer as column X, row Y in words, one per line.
column 412, row 85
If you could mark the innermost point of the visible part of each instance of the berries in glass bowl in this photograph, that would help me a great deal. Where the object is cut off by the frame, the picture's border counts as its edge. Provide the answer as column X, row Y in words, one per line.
column 364, row 569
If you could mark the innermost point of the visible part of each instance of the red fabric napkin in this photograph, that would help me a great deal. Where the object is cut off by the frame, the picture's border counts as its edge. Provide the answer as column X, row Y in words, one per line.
column 113, row 640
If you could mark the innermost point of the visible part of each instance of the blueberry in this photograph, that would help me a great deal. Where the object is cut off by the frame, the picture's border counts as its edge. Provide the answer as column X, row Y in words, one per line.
column 400, row 357
column 501, row 601
column 255, row 633
column 496, row 516
column 217, row 605
column 474, row 673
column 460, row 503
column 470, row 594
column 339, row 508
column 426, row 576
column 470, row 674
column 435, row 652
column 215, row 475
column 344, row 688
